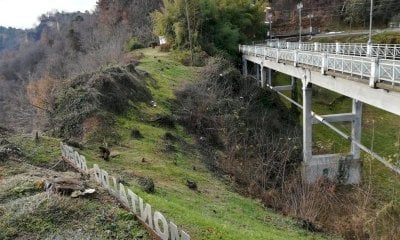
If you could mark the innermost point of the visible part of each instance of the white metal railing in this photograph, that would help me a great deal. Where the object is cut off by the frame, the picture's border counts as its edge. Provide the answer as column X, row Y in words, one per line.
column 383, row 51
column 370, row 68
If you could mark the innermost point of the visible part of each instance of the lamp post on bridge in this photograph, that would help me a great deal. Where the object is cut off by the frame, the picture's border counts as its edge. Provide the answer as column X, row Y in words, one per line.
column 299, row 7
column 369, row 47
column 268, row 20
column 310, row 16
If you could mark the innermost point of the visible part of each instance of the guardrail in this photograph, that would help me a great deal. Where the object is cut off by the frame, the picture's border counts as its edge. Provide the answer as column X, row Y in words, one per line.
column 373, row 69
column 383, row 51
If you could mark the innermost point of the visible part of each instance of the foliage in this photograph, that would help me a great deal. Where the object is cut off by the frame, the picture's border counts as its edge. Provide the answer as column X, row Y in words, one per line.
column 227, row 112
column 131, row 15
column 133, row 44
column 216, row 25
column 357, row 11
column 111, row 90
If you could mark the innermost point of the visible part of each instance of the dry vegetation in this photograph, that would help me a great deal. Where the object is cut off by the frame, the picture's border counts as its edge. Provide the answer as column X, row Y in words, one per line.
column 242, row 133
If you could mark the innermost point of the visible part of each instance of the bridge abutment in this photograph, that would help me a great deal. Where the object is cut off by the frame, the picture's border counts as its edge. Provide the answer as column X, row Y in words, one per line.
column 244, row 67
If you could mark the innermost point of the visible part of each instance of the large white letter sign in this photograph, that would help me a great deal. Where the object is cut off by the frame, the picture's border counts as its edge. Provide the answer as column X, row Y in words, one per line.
column 145, row 213
column 134, row 200
column 175, row 234
column 158, row 217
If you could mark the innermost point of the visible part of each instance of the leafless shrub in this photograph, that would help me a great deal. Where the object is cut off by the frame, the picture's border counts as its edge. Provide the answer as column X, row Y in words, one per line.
column 231, row 113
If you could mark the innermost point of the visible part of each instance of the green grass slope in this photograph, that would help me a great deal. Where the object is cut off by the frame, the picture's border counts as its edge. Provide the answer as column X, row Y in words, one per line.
column 215, row 211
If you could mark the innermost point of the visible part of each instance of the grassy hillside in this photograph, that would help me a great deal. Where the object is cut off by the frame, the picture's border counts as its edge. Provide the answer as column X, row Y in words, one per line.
column 214, row 211
column 28, row 212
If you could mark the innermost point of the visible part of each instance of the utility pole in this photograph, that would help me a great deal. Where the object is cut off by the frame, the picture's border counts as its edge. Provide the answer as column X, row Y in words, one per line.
column 370, row 22
column 268, row 20
column 270, row 25
column 299, row 7
column 189, row 32
column 310, row 16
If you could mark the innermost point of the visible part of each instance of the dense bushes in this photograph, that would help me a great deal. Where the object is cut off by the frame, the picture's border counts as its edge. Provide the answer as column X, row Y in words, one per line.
column 91, row 96
column 133, row 44
column 256, row 134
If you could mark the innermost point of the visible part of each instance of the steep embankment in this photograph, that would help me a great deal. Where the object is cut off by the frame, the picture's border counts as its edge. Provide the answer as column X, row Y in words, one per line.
column 153, row 145
column 28, row 212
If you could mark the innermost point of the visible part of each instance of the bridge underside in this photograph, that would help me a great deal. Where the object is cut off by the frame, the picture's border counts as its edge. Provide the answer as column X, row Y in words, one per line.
column 345, row 168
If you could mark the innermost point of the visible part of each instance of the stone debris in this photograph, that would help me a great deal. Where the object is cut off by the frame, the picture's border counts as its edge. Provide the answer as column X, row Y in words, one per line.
column 67, row 186
column 146, row 184
column 191, row 184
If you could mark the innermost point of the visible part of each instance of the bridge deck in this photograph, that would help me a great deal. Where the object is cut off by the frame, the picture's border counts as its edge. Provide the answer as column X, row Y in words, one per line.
column 351, row 77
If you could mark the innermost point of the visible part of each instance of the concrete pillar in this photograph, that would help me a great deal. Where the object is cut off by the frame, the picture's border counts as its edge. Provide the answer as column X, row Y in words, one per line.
column 307, row 122
column 257, row 72
column 270, row 77
column 374, row 72
column 263, row 76
column 356, row 128
column 244, row 65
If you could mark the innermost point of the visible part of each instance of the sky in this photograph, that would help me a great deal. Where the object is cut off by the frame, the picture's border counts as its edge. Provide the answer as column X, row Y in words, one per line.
column 24, row 13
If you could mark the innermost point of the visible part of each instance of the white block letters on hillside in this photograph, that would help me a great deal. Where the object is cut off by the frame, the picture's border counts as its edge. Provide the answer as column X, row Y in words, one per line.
column 128, row 198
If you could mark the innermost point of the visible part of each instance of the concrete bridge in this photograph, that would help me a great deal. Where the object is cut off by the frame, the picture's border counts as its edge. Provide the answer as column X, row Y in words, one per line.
column 366, row 73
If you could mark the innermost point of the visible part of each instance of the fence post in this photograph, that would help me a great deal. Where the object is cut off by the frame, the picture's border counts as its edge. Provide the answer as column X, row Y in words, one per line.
column 296, row 57
column 324, row 67
column 374, row 72
column 277, row 55
column 316, row 47
column 337, row 48
column 369, row 50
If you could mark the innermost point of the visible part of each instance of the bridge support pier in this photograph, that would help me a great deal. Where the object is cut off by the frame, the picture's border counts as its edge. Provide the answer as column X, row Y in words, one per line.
column 258, row 71
column 307, row 122
column 270, row 77
column 263, row 76
column 345, row 169
column 244, row 67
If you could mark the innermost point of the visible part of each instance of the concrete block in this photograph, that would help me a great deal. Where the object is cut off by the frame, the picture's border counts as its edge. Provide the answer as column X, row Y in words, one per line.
column 343, row 169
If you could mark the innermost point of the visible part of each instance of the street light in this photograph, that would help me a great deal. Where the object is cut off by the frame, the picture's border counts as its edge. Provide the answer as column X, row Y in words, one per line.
column 268, row 15
column 310, row 16
column 370, row 23
column 270, row 25
column 299, row 7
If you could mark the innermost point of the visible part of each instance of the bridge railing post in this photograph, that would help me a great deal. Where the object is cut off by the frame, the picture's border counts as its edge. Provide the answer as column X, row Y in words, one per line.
column 374, row 72
column 369, row 50
column 264, row 53
column 324, row 63
column 295, row 58
column 277, row 55
column 337, row 49
column 316, row 47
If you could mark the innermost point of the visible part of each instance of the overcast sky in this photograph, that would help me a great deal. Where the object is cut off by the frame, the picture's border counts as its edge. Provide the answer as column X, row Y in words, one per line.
column 24, row 13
